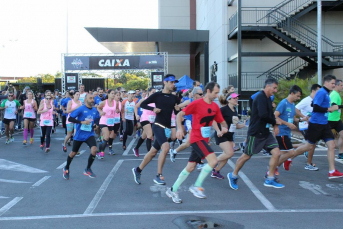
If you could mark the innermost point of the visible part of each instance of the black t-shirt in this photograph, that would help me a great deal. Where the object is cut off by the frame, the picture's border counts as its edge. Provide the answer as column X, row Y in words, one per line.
column 165, row 102
column 227, row 115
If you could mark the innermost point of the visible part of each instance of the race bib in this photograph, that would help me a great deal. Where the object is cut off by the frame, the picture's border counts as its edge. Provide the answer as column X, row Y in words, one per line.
column 130, row 110
column 205, row 131
column 188, row 124
column 167, row 132
column 116, row 120
column 47, row 122
column 233, row 128
column 86, row 127
column 10, row 110
column 152, row 118
column 173, row 122
column 303, row 125
column 326, row 114
column 110, row 121
column 290, row 120
column 28, row 114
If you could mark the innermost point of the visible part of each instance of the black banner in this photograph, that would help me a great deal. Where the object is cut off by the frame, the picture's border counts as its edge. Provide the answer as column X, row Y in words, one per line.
column 71, row 81
column 157, row 80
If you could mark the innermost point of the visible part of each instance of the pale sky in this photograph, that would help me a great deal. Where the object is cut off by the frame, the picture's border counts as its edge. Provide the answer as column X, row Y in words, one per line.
column 33, row 32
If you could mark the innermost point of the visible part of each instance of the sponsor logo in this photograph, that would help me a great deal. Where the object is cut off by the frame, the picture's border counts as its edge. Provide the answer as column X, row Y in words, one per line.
column 151, row 62
column 114, row 63
column 77, row 63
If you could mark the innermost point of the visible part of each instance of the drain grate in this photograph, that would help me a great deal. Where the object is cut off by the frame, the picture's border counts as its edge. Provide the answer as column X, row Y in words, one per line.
column 199, row 222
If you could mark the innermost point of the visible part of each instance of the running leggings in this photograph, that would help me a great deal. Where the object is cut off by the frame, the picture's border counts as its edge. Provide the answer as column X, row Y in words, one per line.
column 128, row 130
column 45, row 131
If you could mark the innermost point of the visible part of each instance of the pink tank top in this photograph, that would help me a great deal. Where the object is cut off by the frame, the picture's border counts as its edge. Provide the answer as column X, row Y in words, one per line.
column 29, row 112
column 46, row 119
column 111, row 117
column 148, row 115
column 73, row 105
column 173, row 119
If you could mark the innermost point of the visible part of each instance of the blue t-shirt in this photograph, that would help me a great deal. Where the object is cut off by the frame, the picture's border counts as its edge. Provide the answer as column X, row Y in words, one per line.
column 189, row 117
column 287, row 112
column 254, row 95
column 64, row 103
column 322, row 99
column 140, row 110
column 97, row 100
column 83, row 131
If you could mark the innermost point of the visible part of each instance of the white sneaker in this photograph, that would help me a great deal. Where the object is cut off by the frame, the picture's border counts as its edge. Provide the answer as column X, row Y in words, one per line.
column 174, row 196
column 172, row 154
column 197, row 191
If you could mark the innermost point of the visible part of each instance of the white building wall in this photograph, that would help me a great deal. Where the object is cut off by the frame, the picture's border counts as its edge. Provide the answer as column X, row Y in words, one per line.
column 173, row 14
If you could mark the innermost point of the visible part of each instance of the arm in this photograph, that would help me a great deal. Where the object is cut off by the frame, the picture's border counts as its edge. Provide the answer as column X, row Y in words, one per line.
column 184, row 104
column 74, row 115
column 2, row 107
column 100, row 107
column 35, row 106
column 69, row 107
column 40, row 110
column 262, row 111
column 179, row 118
column 148, row 100
column 299, row 114
column 137, row 107
column 123, row 109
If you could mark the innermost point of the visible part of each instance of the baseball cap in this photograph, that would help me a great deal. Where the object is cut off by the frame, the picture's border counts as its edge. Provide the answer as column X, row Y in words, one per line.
column 232, row 96
column 131, row 92
column 170, row 77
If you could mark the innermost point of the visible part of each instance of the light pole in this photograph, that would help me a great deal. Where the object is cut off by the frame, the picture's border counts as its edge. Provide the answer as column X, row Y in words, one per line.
column 319, row 40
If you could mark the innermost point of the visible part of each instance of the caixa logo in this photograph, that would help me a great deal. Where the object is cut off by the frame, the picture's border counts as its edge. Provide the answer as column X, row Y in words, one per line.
column 77, row 63
column 114, row 63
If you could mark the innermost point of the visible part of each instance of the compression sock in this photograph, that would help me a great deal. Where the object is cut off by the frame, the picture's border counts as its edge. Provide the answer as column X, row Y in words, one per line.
column 182, row 177
column 203, row 174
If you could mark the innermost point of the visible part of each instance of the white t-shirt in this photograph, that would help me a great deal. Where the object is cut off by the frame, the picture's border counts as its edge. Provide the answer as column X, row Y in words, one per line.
column 82, row 98
column 305, row 106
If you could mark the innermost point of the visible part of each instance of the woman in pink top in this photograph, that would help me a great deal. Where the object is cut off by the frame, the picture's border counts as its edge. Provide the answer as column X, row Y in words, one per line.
column 30, row 108
column 147, row 118
column 46, row 111
column 109, row 123
column 72, row 105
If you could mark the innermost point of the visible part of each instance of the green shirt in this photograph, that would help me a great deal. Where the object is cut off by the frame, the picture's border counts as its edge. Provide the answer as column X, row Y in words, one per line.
column 335, row 98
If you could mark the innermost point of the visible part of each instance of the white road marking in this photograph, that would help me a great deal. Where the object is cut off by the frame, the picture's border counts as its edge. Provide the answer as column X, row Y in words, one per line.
column 14, row 181
column 253, row 188
column 62, row 166
column 316, row 189
column 91, row 207
column 40, row 181
column 128, row 149
column 8, row 206
column 4, row 197
column 10, row 165
column 169, row 213
column 339, row 160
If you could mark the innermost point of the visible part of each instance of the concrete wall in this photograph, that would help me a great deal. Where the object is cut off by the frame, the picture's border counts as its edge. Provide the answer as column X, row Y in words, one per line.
column 173, row 14
column 178, row 65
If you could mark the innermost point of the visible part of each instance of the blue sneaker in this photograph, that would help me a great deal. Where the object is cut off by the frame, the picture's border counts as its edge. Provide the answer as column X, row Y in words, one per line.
column 159, row 180
column 306, row 154
column 89, row 173
column 273, row 183
column 340, row 156
column 136, row 176
column 232, row 181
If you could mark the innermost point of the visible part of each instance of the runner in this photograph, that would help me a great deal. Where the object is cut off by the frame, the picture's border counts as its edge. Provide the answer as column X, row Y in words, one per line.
column 304, row 109
column 109, row 111
column 123, row 96
column 319, row 128
column 127, row 114
column 84, row 118
column 73, row 104
column 165, row 103
column 30, row 108
column 46, row 111
column 82, row 94
column 11, row 109
column 64, row 104
column 146, row 120
column 204, row 111
column 229, row 103
column 259, row 137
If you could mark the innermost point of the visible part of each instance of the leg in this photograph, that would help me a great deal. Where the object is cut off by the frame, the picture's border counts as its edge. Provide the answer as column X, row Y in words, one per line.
column 239, row 163
column 25, row 133
column 7, row 131
column 331, row 154
column 162, row 157
column 227, row 148
column 273, row 161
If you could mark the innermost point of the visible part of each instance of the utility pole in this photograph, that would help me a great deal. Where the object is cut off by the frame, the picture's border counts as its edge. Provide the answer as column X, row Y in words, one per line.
column 319, row 40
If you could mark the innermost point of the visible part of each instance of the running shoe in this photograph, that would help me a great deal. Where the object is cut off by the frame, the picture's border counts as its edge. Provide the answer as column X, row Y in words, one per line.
column 121, row 138
column 306, row 154
column 172, row 154
column 136, row 152
column 174, row 195
column 236, row 148
column 273, row 183
column 78, row 154
column 7, row 141
column 24, row 142
column 65, row 173
column 340, row 156
column 124, row 147
column 198, row 191
column 47, row 150
column 42, row 146
column 217, row 175
column 276, row 176
column 111, row 152
column 242, row 146
column 136, row 176
column 12, row 139
column 287, row 164
column 336, row 174
column 89, row 172
column 200, row 166
column 232, row 181
column 266, row 153
column 31, row 141
column 64, row 148
column 100, row 155
column 159, row 179
column 311, row 167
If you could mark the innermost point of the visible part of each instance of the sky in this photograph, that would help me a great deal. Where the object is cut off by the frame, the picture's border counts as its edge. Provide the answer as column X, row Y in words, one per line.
column 33, row 32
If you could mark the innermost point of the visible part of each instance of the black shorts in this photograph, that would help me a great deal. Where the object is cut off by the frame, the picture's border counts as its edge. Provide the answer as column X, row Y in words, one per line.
column 304, row 133
column 114, row 128
column 96, row 121
column 316, row 132
column 77, row 144
column 160, row 136
column 226, row 137
column 144, row 123
column 254, row 144
column 200, row 150
column 336, row 125
column 30, row 119
column 285, row 143
column 7, row 121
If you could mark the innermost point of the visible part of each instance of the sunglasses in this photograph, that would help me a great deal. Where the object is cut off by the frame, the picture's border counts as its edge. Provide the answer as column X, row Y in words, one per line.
column 10, row 96
column 201, row 94
column 48, row 98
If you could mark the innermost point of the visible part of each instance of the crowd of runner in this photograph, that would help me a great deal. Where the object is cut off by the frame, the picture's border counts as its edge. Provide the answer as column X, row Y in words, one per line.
column 167, row 116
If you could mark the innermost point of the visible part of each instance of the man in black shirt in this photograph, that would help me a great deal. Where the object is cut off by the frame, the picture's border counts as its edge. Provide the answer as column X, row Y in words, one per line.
column 165, row 103
column 259, row 136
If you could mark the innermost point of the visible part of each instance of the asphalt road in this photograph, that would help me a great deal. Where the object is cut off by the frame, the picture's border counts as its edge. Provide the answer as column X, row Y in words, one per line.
column 33, row 193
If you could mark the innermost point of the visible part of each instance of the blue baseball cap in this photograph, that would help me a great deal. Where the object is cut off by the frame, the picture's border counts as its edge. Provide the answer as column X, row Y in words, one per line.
column 171, row 78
